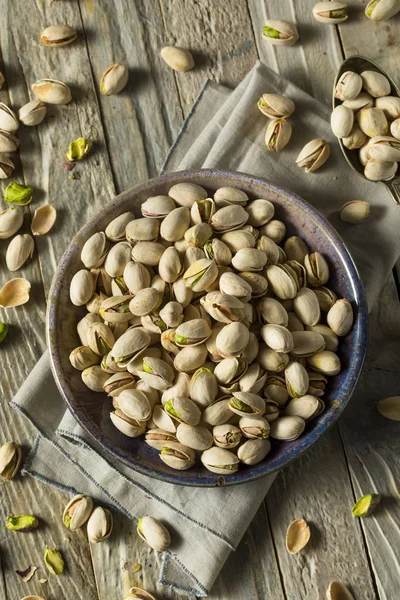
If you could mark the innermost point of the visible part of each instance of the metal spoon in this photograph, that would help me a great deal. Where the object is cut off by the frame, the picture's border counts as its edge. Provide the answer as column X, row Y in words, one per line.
column 359, row 64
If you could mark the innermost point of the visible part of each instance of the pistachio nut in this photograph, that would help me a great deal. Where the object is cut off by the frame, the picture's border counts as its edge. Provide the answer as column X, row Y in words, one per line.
column 253, row 451
column 233, row 285
column 100, row 525
column 183, row 410
column 162, row 420
column 270, row 248
column 201, row 211
column 156, row 372
column 230, row 195
column 257, row 282
column 136, row 592
column 175, row 224
column 179, row 59
column 340, row 317
column 146, row 301
column 223, row 307
column 376, row 84
column 228, row 373
column 355, row 139
column 172, row 314
column 384, row 148
column 119, row 382
column 306, row 306
column 114, row 79
column 22, row 523
column 142, row 230
column 177, row 456
column 280, row 33
column 156, row 438
column 32, row 113
column 249, row 259
column 81, row 287
column 349, row 86
column 394, row 129
column 157, row 207
column 260, row 212
column 203, row 387
column 253, row 380
column 109, row 365
column 294, row 323
column 239, row 238
column 282, row 282
column 228, row 218
column 14, row 292
column 10, row 460
column 307, row 343
column 376, row 170
column 83, row 327
column 78, row 149
column 277, row 337
column 326, row 297
column 363, row 100
column 313, row 155
column 251, row 351
column 6, row 167
column 218, row 412
column 317, row 384
column 19, row 250
column 325, row 362
column 307, row 407
column 317, row 269
column 58, row 35
column 278, row 134
column 94, row 378
column 94, row 250
column 83, row 357
column 382, row 10
column 254, row 427
column 129, row 427
column 115, row 230
column 297, row 380
column 232, row 340
column 275, row 106
column 16, row 193
column 355, row 211
column 342, row 121
column 136, row 277
column 8, row 119
column 190, row 358
column 117, row 258
column 365, row 505
column 275, row 230
column 218, row 251
column 287, row 428
column 270, row 360
column 186, row 194
column 130, row 345
column 372, row 121
column 77, row 512
column 330, row 13
column 220, row 460
column 198, row 438
column 198, row 234
column 246, row 403
column 201, row 275
column 295, row 249
column 52, row 91
column 330, row 338
column 226, row 436
column 389, row 104
column 170, row 265
column 134, row 404
column 276, row 390
column 53, row 560
column 8, row 141
column 154, row 533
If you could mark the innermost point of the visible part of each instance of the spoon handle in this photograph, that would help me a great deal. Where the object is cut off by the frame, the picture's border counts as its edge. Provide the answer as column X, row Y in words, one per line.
column 394, row 190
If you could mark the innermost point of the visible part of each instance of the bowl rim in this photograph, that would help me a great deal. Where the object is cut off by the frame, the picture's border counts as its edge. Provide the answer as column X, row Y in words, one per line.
column 242, row 476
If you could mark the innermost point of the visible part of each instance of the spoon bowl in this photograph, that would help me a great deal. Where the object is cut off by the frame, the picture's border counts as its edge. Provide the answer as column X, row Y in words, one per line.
column 358, row 64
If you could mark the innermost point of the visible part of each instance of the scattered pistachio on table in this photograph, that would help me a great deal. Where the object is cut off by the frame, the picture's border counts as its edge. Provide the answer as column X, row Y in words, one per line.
column 390, row 408
column 52, row 91
column 53, row 560
column 22, row 523
column 330, row 13
column 43, row 219
column 338, row 591
column 8, row 141
column 114, row 80
column 280, row 33
column 19, row 250
column 136, row 592
column 14, row 292
column 77, row 512
column 365, row 505
column 18, row 194
column 297, row 536
column 58, row 35
column 10, row 452
column 154, row 533
column 99, row 525
column 382, row 10
column 8, row 119
column 78, row 149
column 355, row 211
column 179, row 59
column 32, row 113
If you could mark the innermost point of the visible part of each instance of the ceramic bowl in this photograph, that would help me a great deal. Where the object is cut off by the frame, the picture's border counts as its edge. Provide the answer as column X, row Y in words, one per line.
column 92, row 409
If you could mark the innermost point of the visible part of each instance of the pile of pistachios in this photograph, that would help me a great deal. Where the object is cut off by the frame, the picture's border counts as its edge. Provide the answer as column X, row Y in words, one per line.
column 363, row 121
column 210, row 330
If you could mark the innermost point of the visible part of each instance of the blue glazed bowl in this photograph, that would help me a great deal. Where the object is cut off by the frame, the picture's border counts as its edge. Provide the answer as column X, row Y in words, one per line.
column 92, row 409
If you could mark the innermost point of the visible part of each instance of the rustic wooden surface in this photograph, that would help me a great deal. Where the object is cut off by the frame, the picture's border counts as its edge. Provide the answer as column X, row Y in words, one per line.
column 132, row 134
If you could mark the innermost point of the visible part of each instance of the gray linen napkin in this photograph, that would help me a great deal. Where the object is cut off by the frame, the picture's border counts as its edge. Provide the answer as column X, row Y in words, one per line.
column 224, row 130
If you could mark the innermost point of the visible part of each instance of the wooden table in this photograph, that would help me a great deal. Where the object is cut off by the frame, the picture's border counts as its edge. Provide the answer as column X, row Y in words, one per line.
column 132, row 134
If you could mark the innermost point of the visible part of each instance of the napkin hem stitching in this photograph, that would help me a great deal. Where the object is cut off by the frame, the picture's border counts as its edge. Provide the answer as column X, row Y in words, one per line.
column 164, row 581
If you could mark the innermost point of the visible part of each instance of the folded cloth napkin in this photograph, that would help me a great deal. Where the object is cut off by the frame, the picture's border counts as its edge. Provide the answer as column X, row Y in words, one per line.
column 224, row 130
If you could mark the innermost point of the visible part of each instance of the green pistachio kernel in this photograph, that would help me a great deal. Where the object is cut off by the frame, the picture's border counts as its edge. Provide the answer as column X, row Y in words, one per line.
column 23, row 523
column 146, row 368
column 339, row 13
column 78, row 149
column 3, row 331
column 53, row 560
column 365, row 505
column 16, row 193
column 170, row 409
column 270, row 32
column 239, row 405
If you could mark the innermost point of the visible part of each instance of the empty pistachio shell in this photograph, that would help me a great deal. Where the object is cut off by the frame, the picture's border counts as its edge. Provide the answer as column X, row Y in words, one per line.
column 114, row 80
column 177, row 456
column 390, row 408
column 373, row 122
column 154, row 533
column 100, row 525
column 14, row 293
column 77, row 512
column 278, row 134
column 6, row 167
column 330, row 13
column 376, row 170
column 19, row 250
column 10, row 459
column 8, row 141
column 52, row 91
column 220, row 460
column 32, row 113
column 365, row 505
column 115, row 230
column 297, row 536
column 287, row 428
column 384, row 148
column 58, row 35
column 313, row 155
column 43, row 219
column 325, row 362
column 280, row 33
column 177, row 58
column 8, row 119
column 338, row 591
column 348, row 86
column 342, row 120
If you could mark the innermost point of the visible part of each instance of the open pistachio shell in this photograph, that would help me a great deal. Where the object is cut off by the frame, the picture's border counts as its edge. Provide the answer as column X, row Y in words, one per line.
column 220, row 460
column 177, row 456
column 338, row 591
column 297, row 536
column 280, row 33
column 14, row 293
column 43, row 219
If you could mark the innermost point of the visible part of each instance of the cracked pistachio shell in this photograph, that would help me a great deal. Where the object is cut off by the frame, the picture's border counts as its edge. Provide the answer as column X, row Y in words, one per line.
column 223, row 307
column 382, row 10
column 175, row 224
column 280, row 33
column 8, row 119
column 183, row 410
column 229, row 218
column 32, row 113
column 172, row 314
column 117, row 258
column 203, row 388
column 181, row 387
column 275, row 230
column 83, row 327
column 372, row 122
column 317, row 383
column 53, row 560
column 10, row 222
column 192, row 333
column 307, row 343
column 164, row 421
column 156, row 373
column 258, row 284
column 276, row 390
column 282, row 282
column 82, row 287
column 114, row 80
column 170, row 265
column 10, row 460
column 179, row 59
column 330, row 338
column 234, row 285
column 198, row 234
column 117, row 383
column 240, row 238
column 157, row 207
column 297, row 536
column 246, row 404
column 19, row 250
column 376, row 84
column 297, row 380
column 326, row 297
column 115, row 230
column 253, row 451
column 249, row 259
column 177, row 456
column 384, row 148
column 253, row 380
column 232, row 340
column 230, row 195
column 220, row 460
column 356, row 138
column 226, row 436
column 218, row 251
column 127, row 426
column 192, row 255
column 278, row 134
column 83, row 357
column 306, row 306
column 271, row 360
column 376, row 170
column 229, row 370
column 116, row 309
column 190, row 358
column 340, row 317
column 348, row 86
column 94, row 378
column 134, row 404
column 277, row 337
column 136, row 277
column 100, row 525
column 196, row 437
column 338, row 591
column 43, row 219
column 201, row 211
column 218, row 412
column 94, row 250
column 342, row 121
column 307, row 407
column 275, row 106
column 254, row 427
column 270, row 248
column 325, row 362
column 58, row 35
column 287, row 428
column 109, row 365
column 6, row 167
column 156, row 438
column 154, row 533
column 8, row 141
column 77, row 512
column 394, row 129
column 330, row 13
column 389, row 104
column 186, row 194
column 314, row 154
column 52, row 91
column 130, row 345
column 317, row 269
column 200, row 275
